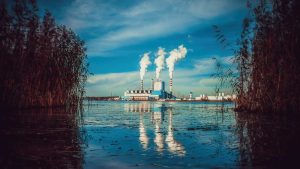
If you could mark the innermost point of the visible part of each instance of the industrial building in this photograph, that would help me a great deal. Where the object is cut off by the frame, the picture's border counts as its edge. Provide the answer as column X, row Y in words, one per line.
column 219, row 97
column 157, row 92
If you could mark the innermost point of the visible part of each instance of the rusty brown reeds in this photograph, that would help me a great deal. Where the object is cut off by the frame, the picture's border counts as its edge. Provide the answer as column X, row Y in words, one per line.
column 268, row 58
column 42, row 64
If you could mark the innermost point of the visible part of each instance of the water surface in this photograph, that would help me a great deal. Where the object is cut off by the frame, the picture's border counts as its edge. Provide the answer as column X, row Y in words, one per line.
column 146, row 135
column 160, row 135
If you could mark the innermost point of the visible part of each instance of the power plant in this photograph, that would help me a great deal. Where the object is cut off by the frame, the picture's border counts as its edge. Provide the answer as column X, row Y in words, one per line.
column 157, row 90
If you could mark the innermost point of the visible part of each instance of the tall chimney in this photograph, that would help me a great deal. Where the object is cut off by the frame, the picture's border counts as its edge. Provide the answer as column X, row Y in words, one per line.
column 171, row 84
column 142, row 84
column 152, row 84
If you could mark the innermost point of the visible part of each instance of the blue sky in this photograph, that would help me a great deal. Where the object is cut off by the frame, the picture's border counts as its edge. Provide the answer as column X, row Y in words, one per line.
column 118, row 32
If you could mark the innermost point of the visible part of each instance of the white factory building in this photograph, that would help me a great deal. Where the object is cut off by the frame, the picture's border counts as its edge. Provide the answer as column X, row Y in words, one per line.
column 218, row 97
column 156, row 92
column 137, row 94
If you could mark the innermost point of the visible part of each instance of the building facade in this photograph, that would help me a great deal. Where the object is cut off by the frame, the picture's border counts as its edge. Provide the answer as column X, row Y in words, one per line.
column 156, row 93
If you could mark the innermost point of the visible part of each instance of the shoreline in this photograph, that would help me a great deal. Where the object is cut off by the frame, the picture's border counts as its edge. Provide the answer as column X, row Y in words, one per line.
column 111, row 99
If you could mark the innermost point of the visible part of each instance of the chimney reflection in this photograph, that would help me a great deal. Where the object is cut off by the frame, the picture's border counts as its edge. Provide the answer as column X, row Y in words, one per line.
column 144, row 140
column 157, row 118
column 174, row 146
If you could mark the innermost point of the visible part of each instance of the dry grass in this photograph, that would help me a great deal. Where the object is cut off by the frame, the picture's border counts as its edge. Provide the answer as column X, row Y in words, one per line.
column 42, row 64
column 267, row 59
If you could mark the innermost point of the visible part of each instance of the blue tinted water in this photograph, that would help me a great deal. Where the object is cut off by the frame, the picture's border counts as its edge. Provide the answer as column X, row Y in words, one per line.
column 160, row 135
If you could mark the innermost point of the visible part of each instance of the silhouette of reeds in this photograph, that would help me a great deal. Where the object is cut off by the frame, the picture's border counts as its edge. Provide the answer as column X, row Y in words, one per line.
column 42, row 64
column 267, row 58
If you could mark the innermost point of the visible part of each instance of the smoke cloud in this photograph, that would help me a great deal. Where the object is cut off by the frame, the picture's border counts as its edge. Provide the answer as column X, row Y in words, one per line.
column 144, row 63
column 160, row 61
column 175, row 55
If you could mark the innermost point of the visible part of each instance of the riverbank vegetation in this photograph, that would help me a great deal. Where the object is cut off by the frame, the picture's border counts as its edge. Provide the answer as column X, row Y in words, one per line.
column 42, row 64
column 267, row 62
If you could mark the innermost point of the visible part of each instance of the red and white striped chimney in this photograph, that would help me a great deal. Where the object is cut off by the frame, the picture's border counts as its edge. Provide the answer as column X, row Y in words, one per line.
column 171, row 84
column 142, row 84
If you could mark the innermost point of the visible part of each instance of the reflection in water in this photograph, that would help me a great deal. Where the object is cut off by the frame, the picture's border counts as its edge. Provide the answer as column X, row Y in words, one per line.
column 174, row 146
column 44, row 138
column 159, row 138
column 143, row 134
column 40, row 138
column 157, row 117
column 142, row 107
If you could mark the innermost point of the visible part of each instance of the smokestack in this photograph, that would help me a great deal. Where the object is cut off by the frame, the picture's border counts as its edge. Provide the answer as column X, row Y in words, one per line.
column 142, row 84
column 171, row 84
column 152, row 84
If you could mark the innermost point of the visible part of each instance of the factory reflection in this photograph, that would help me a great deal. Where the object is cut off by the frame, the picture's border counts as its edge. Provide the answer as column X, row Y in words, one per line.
column 144, row 140
column 157, row 117
column 157, row 112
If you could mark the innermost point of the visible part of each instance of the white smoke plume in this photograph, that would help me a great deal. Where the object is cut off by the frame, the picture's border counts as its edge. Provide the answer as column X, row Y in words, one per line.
column 160, row 61
column 175, row 55
column 144, row 63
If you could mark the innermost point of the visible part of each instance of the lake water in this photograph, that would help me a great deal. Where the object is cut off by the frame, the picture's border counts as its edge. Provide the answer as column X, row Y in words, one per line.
column 145, row 135
column 160, row 135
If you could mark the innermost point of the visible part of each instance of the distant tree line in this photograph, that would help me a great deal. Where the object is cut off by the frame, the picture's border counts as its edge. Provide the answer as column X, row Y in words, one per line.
column 267, row 58
column 42, row 64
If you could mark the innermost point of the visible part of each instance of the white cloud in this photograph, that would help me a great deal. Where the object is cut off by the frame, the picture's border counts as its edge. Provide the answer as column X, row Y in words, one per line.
column 207, row 82
column 122, row 25
column 196, row 79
